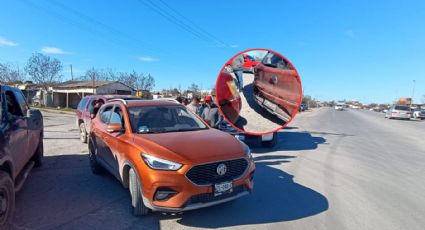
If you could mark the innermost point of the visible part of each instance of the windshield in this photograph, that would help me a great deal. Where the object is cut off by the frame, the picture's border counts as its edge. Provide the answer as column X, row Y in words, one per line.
column 160, row 119
column 405, row 108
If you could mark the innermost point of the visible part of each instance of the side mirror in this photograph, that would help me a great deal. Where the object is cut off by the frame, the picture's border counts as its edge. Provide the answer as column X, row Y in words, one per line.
column 114, row 127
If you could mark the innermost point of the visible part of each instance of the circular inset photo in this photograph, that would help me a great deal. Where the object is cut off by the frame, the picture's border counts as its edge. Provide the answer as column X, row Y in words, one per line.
column 258, row 91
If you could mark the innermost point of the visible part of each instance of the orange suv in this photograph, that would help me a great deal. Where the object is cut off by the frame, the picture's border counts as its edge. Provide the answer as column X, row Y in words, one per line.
column 170, row 160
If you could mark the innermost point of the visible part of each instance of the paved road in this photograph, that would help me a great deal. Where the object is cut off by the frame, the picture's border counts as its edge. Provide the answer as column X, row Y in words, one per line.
column 252, row 117
column 330, row 170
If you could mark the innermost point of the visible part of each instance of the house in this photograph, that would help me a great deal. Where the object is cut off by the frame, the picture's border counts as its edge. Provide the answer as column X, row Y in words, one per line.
column 68, row 94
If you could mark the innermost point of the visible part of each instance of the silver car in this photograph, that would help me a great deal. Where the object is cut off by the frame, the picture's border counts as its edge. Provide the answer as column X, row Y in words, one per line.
column 399, row 112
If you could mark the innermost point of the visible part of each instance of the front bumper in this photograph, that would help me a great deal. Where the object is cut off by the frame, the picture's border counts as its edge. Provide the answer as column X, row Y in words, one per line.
column 189, row 195
column 277, row 111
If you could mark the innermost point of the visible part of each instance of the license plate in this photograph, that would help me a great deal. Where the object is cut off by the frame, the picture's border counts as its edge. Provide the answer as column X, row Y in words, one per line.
column 225, row 187
column 269, row 105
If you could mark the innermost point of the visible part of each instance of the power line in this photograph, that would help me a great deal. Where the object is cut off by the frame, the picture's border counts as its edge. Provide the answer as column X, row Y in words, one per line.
column 111, row 29
column 193, row 23
column 199, row 33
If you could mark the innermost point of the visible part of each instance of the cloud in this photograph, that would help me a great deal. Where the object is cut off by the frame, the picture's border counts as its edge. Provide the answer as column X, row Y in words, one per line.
column 6, row 42
column 234, row 46
column 53, row 50
column 147, row 59
column 349, row 33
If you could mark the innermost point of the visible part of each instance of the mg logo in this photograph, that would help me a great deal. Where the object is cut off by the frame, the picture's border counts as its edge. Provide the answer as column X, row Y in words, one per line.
column 221, row 169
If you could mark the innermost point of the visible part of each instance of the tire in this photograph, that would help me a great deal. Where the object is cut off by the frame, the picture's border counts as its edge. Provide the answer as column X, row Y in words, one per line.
column 270, row 144
column 83, row 133
column 7, row 200
column 39, row 154
column 138, row 208
column 95, row 167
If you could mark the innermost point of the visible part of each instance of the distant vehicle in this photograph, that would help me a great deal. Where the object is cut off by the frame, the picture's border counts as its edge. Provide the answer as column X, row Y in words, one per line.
column 168, row 158
column 303, row 107
column 84, row 108
column 277, row 86
column 248, row 65
column 21, row 147
column 418, row 114
column 355, row 107
column 339, row 107
column 399, row 112
column 228, row 97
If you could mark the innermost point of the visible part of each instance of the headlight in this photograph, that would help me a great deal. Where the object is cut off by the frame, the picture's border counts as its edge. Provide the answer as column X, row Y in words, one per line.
column 160, row 164
column 246, row 150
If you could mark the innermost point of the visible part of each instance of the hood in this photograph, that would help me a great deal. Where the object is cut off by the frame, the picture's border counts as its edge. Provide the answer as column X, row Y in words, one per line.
column 191, row 147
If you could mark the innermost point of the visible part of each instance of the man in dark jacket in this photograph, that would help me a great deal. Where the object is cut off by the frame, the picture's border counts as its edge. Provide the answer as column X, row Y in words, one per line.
column 237, row 66
column 211, row 114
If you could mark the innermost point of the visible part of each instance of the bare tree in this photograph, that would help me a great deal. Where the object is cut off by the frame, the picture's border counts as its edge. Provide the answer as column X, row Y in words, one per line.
column 44, row 70
column 11, row 74
column 99, row 75
column 194, row 88
column 146, row 82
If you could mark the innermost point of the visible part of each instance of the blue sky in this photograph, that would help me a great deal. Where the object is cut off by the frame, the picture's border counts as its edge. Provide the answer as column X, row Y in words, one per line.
column 365, row 50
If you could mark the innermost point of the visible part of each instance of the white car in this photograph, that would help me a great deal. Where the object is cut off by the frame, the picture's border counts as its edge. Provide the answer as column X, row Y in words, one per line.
column 419, row 114
column 398, row 112
column 339, row 107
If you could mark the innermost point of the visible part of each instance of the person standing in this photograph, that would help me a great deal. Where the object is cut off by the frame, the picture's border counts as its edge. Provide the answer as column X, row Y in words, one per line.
column 237, row 66
column 211, row 114
column 96, row 106
column 194, row 106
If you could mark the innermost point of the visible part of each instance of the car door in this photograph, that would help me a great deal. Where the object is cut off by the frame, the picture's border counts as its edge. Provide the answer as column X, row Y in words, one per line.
column 281, row 82
column 16, row 132
column 86, row 113
column 105, row 141
column 111, row 154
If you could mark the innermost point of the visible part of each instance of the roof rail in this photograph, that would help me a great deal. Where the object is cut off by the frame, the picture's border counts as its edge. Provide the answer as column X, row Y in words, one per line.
column 167, row 99
column 119, row 99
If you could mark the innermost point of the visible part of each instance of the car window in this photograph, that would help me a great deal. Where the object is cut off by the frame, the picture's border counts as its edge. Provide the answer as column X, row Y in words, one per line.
column 117, row 116
column 20, row 98
column 158, row 119
column 105, row 114
column 82, row 103
column 90, row 105
column 276, row 61
column 404, row 108
column 13, row 107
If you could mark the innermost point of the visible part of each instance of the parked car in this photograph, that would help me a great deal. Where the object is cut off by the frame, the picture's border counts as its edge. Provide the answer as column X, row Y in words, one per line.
column 169, row 159
column 228, row 97
column 84, row 109
column 248, row 65
column 398, row 112
column 21, row 147
column 277, row 86
column 418, row 114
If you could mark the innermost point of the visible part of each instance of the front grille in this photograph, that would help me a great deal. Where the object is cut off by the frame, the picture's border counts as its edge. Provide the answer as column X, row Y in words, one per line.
column 209, row 197
column 207, row 174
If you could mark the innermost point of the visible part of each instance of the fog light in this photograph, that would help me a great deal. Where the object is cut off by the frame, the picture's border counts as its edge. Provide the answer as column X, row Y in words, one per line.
column 163, row 194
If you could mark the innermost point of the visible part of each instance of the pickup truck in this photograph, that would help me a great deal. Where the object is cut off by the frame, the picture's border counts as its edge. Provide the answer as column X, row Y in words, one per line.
column 277, row 86
column 21, row 147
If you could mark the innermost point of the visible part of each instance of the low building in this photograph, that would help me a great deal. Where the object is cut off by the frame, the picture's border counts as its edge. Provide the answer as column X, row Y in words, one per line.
column 68, row 94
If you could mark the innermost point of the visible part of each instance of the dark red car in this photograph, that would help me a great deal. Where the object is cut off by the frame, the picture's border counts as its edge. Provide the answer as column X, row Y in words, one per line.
column 21, row 147
column 249, row 63
column 228, row 97
column 277, row 86
column 85, row 107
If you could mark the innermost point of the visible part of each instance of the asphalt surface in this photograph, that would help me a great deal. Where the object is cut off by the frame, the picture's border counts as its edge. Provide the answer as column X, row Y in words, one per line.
column 330, row 170
column 252, row 117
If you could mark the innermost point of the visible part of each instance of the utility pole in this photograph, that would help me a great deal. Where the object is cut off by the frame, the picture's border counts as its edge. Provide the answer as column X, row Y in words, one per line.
column 72, row 75
column 413, row 92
